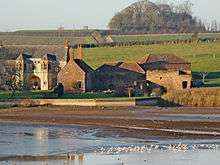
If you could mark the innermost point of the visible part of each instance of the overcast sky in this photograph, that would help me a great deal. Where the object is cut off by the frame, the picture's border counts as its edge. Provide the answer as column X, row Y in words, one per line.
column 50, row 14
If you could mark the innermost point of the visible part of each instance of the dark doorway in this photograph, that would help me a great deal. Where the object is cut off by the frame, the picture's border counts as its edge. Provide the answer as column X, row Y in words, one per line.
column 185, row 84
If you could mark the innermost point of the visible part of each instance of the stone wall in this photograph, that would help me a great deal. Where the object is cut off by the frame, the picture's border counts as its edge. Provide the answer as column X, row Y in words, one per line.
column 169, row 79
column 71, row 74
column 82, row 102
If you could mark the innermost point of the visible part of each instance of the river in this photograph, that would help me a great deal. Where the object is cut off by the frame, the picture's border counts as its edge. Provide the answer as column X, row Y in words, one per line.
column 23, row 144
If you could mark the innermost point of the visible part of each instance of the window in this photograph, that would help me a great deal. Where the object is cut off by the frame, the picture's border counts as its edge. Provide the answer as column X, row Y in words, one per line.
column 35, row 83
column 25, row 66
column 80, row 84
column 44, row 66
column 161, row 78
column 185, row 84
column 49, row 66
column 33, row 66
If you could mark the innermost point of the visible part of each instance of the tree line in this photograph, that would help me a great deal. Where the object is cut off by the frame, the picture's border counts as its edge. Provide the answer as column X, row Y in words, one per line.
column 147, row 17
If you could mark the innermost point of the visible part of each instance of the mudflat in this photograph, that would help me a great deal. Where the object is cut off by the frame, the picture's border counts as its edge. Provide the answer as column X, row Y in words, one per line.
column 128, row 121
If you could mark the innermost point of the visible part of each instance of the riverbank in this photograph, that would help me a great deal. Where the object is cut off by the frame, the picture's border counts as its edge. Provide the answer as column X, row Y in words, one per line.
column 108, row 102
column 139, row 122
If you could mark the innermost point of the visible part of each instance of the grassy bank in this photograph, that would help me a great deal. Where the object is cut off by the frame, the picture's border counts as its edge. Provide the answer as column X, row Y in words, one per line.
column 4, row 95
column 201, row 97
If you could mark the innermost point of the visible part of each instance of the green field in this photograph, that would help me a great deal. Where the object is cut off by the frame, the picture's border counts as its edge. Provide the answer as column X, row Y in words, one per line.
column 4, row 95
column 205, row 57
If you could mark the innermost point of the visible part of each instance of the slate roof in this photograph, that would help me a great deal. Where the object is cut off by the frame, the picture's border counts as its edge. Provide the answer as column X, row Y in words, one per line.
column 12, row 52
column 85, row 67
column 50, row 57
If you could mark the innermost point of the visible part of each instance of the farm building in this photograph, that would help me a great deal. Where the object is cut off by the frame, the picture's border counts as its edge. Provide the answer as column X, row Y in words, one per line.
column 76, row 75
column 168, row 71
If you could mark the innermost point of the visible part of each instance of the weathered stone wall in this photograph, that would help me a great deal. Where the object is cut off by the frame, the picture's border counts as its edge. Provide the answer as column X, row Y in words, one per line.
column 169, row 79
column 6, row 67
column 70, row 74
column 112, row 80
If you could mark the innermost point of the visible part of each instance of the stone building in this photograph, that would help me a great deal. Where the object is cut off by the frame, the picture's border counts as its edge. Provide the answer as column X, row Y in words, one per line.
column 118, row 75
column 168, row 71
column 37, row 73
column 42, row 67
column 76, row 75
column 34, row 68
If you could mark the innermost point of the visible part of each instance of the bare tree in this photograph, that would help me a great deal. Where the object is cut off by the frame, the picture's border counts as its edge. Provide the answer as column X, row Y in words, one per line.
column 12, row 81
column 203, row 76
column 185, row 7
column 214, row 26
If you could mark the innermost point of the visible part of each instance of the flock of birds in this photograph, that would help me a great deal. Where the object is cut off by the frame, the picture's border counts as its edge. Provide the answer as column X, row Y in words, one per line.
column 151, row 147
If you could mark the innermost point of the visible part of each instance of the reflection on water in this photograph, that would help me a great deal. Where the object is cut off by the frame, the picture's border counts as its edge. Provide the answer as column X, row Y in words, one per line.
column 57, row 145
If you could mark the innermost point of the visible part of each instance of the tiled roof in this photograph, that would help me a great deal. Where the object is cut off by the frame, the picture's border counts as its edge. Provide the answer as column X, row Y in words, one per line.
column 132, row 67
column 164, row 62
column 168, row 58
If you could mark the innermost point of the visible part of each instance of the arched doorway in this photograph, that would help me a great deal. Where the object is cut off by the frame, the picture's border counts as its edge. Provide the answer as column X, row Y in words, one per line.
column 35, row 83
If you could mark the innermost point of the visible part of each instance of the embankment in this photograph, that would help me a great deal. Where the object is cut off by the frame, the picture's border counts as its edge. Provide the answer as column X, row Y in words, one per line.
column 81, row 102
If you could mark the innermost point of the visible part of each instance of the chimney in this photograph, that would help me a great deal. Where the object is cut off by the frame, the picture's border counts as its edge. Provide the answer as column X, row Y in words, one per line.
column 66, row 50
column 66, row 44
column 71, row 55
column 1, row 44
column 79, row 52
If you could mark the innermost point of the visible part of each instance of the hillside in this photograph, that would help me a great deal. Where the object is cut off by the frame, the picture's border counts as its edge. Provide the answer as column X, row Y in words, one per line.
column 148, row 17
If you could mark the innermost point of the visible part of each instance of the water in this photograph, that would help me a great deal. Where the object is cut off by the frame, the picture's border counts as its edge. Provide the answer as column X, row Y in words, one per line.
column 45, row 144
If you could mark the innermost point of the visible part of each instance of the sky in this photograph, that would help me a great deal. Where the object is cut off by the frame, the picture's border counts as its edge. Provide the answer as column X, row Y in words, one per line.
column 74, row 14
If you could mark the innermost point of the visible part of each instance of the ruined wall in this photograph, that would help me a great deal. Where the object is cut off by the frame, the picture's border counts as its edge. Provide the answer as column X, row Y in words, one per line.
column 170, row 79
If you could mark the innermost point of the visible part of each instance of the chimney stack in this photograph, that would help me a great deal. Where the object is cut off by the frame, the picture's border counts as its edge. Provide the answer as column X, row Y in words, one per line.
column 66, row 44
column 71, row 55
column 1, row 44
column 79, row 52
column 66, row 50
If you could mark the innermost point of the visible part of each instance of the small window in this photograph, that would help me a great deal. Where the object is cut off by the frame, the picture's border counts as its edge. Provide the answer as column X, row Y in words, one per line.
column 80, row 84
column 161, row 78
column 33, row 67
column 185, row 84
column 35, row 83
column 49, row 66
column 25, row 66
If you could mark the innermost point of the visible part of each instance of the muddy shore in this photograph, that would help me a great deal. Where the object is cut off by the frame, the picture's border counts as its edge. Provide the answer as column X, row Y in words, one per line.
column 126, row 121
